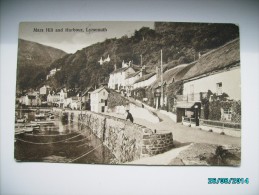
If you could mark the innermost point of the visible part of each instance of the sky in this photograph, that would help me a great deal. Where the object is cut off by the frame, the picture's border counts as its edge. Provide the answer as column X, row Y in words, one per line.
column 70, row 42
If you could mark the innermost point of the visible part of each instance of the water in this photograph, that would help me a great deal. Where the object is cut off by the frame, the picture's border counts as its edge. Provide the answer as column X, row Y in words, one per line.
column 65, row 142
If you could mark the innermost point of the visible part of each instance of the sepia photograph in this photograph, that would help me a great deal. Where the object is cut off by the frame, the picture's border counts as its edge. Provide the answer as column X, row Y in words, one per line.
column 129, row 97
column 128, row 93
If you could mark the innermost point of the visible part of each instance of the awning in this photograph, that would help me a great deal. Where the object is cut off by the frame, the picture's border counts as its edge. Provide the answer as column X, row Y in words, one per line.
column 185, row 104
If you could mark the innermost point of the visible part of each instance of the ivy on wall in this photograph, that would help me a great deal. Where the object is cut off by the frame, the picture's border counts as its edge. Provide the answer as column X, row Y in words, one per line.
column 236, row 112
column 212, row 105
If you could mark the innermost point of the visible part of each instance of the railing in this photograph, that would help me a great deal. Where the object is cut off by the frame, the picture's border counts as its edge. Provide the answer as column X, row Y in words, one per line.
column 188, row 119
column 221, row 124
column 195, row 97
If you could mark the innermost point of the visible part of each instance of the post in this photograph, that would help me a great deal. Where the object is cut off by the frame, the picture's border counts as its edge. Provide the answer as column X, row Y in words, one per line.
column 81, row 103
column 196, row 115
column 141, row 60
column 162, row 94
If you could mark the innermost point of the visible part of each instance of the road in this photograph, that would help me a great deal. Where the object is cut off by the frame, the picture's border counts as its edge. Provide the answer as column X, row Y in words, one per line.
column 183, row 134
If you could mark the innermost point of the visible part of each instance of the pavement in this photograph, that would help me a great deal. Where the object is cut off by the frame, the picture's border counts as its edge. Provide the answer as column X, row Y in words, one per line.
column 160, row 159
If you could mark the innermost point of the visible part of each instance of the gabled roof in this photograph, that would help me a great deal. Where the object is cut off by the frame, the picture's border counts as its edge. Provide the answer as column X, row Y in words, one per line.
column 218, row 59
column 99, row 90
column 88, row 89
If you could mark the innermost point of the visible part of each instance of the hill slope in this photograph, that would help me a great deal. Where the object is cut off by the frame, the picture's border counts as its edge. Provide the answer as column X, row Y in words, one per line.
column 33, row 61
column 180, row 42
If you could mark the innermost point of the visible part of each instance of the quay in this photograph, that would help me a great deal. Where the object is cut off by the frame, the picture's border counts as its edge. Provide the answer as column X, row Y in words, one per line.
column 127, row 141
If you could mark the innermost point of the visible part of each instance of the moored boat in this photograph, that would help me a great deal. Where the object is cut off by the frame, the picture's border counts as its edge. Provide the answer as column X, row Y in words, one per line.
column 43, row 122
column 21, row 120
column 40, row 116
column 23, row 129
column 41, row 119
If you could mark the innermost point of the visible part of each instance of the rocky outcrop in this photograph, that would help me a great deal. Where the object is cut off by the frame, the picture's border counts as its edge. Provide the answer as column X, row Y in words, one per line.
column 208, row 154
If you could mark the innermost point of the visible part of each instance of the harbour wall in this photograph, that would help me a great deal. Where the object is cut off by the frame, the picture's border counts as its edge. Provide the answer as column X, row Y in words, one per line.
column 127, row 141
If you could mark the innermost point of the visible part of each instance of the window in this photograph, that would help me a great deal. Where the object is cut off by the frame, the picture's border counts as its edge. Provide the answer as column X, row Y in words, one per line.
column 219, row 88
column 227, row 113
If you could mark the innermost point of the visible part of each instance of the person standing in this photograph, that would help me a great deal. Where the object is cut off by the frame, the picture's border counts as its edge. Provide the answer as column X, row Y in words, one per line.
column 129, row 116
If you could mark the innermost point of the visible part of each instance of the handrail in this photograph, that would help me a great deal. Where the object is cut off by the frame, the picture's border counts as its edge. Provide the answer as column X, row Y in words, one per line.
column 223, row 124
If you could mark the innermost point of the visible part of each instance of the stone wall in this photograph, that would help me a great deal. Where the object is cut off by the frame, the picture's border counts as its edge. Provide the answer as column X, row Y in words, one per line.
column 127, row 141
column 157, row 143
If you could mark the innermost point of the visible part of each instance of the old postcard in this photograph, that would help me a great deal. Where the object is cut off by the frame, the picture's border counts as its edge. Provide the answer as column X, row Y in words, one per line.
column 138, row 93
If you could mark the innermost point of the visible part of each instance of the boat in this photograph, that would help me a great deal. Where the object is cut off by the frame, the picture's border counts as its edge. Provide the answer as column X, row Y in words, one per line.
column 28, row 129
column 41, row 119
column 33, row 126
column 40, row 116
column 21, row 120
column 51, row 117
column 43, row 122
column 19, row 129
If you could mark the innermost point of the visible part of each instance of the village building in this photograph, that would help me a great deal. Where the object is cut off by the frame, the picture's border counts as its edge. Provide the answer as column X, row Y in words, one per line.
column 132, row 78
column 31, row 99
column 118, row 77
column 145, row 80
column 98, row 100
column 85, row 96
column 62, row 97
column 217, row 72
column 129, row 81
column 101, row 61
column 52, row 72
column 44, row 90
column 73, row 102
column 170, row 76
column 53, row 99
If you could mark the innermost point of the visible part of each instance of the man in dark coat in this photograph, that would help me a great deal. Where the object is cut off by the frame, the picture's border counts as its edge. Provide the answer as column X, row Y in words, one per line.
column 129, row 116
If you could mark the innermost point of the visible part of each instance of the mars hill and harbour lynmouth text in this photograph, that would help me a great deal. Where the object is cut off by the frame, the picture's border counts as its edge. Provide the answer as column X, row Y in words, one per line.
column 138, row 93
column 70, row 30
